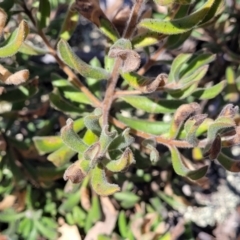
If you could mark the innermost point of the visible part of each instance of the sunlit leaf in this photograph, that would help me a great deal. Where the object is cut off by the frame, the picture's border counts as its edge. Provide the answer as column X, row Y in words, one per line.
column 180, row 25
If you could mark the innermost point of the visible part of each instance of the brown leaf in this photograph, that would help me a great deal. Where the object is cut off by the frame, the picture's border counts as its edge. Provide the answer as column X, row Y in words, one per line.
column 215, row 149
column 91, row 10
column 74, row 173
column 7, row 202
column 229, row 111
column 106, row 227
column 68, row 232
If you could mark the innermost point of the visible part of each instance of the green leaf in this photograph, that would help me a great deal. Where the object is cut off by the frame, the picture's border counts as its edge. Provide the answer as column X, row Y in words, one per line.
column 195, row 77
column 122, row 224
column 191, row 126
column 221, row 123
column 106, row 139
column 199, row 61
column 47, row 144
column 216, row 9
column 108, row 29
column 176, row 67
column 147, row 39
column 155, row 128
column 180, row 25
column 210, row 92
column 149, row 106
column 49, row 174
column 71, row 139
column 63, row 105
column 15, row 40
column 122, row 163
column 180, row 168
column 43, row 14
column 69, row 24
column 91, row 121
column 228, row 163
column 71, row 59
column 99, row 182
column 126, row 196
column 30, row 49
column 122, row 141
column 21, row 93
column 61, row 156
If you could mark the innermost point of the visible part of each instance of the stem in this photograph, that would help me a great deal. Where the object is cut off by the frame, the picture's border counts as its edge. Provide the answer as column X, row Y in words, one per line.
column 160, row 140
column 72, row 77
column 109, row 95
column 131, row 25
column 151, row 60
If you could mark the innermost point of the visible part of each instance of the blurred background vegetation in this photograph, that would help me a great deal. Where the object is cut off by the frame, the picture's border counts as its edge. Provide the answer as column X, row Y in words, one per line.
column 154, row 202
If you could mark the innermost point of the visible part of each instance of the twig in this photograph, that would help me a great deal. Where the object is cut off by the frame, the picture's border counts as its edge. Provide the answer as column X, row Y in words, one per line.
column 72, row 77
column 151, row 60
column 131, row 25
column 159, row 139
column 109, row 95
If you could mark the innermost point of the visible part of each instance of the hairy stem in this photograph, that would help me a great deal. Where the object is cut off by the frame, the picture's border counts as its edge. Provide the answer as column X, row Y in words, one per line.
column 132, row 22
column 151, row 60
column 72, row 77
column 109, row 95
column 159, row 139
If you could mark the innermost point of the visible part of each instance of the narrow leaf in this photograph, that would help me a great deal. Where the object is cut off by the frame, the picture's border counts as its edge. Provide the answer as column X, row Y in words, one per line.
column 43, row 14
column 155, row 128
column 228, row 163
column 71, row 139
column 149, row 106
column 180, row 168
column 71, row 59
column 209, row 92
column 180, row 25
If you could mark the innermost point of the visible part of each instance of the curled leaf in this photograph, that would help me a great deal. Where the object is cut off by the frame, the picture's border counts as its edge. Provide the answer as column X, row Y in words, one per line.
column 229, row 111
column 145, row 84
column 106, row 139
column 91, row 121
column 77, row 171
column 191, row 126
column 180, row 168
column 100, row 184
column 71, row 139
column 228, row 163
column 215, row 148
column 16, row 78
column 151, row 145
column 120, row 164
column 92, row 154
column 123, row 49
column 122, row 141
column 182, row 113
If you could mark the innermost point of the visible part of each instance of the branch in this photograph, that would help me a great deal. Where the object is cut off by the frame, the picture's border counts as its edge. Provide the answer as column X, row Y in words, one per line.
column 72, row 77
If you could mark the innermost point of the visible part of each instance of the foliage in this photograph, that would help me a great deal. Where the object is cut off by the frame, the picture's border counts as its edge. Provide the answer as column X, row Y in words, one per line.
column 107, row 124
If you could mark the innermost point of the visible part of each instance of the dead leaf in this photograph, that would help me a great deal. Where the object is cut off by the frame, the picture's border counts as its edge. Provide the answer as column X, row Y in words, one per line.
column 7, row 202
column 69, row 232
column 106, row 227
